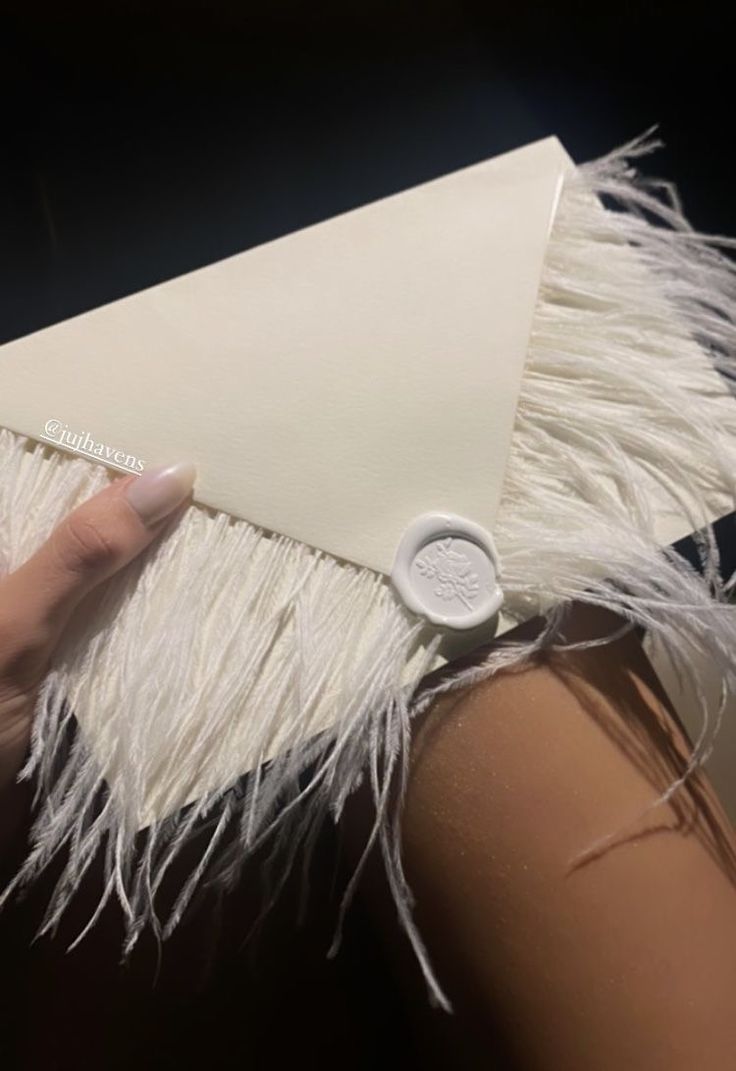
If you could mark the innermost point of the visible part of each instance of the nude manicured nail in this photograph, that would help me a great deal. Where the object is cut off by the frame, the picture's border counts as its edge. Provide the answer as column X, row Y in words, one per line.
column 160, row 490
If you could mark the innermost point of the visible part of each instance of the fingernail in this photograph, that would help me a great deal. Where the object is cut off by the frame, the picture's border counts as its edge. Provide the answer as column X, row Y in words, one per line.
column 160, row 490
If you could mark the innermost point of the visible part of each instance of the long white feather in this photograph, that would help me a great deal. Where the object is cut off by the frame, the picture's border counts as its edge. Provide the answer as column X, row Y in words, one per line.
column 226, row 648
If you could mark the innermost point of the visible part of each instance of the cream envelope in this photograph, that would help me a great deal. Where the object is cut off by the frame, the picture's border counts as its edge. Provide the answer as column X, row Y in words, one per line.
column 330, row 385
column 333, row 388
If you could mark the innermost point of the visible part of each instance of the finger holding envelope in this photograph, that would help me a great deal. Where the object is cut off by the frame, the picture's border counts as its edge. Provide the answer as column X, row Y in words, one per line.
column 92, row 543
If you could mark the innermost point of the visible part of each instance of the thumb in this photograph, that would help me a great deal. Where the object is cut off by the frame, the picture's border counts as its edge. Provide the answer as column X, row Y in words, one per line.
column 93, row 542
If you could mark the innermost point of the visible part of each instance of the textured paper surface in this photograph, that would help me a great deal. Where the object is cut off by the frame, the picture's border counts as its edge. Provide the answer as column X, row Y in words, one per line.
column 335, row 383
column 332, row 384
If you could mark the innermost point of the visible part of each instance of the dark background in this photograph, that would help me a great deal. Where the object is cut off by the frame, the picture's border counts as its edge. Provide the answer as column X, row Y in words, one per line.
column 140, row 141
column 143, row 140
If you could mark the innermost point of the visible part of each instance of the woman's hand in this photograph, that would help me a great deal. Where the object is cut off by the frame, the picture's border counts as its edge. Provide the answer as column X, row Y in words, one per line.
column 36, row 601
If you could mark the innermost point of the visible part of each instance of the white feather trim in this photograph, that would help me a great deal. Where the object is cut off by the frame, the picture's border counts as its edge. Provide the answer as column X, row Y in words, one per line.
column 226, row 648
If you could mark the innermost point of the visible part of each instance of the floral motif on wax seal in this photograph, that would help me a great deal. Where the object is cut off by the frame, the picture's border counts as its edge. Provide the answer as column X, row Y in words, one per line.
column 446, row 569
column 453, row 572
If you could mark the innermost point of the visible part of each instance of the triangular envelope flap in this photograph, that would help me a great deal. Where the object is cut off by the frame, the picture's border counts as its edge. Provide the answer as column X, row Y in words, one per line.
column 330, row 385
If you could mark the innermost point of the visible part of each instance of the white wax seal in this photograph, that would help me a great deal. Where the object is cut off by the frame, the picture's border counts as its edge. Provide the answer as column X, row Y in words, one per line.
column 446, row 569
